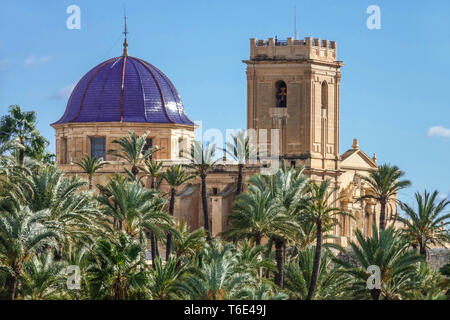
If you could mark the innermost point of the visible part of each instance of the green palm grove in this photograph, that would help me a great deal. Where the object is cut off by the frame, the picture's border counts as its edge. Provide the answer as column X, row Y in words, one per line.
column 278, row 244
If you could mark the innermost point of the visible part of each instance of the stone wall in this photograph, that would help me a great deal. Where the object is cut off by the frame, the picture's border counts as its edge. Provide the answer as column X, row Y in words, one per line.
column 438, row 257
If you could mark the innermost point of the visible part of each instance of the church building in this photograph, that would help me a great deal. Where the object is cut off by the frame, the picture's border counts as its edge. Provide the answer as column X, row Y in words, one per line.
column 293, row 86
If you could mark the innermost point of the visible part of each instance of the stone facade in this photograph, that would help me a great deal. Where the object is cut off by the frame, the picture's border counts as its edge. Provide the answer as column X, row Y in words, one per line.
column 73, row 140
column 306, row 75
column 292, row 86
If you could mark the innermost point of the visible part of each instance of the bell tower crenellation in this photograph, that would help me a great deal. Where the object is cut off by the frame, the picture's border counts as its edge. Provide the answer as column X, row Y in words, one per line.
column 293, row 49
column 294, row 86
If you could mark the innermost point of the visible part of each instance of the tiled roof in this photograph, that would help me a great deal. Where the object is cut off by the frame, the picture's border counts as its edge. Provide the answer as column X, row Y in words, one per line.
column 125, row 89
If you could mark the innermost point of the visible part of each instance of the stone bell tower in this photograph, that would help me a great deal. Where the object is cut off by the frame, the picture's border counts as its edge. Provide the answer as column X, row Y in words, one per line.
column 293, row 86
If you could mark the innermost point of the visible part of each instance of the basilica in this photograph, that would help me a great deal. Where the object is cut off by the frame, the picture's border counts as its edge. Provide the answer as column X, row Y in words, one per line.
column 293, row 87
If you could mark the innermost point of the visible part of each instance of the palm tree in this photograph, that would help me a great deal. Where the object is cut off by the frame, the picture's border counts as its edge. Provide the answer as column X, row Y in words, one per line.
column 330, row 281
column 188, row 243
column 428, row 284
column 306, row 234
column 22, row 125
column 43, row 278
column 90, row 166
column 10, row 145
column 216, row 278
column 319, row 208
column 164, row 278
column 132, row 150
column 136, row 208
column 384, row 184
column 118, row 269
column 21, row 235
column 152, row 168
column 426, row 225
column 254, row 215
column 387, row 250
column 241, row 150
column 175, row 176
column 7, row 147
column 264, row 291
column 251, row 260
column 81, row 256
column 7, row 161
column 286, row 189
column 70, row 211
column 202, row 161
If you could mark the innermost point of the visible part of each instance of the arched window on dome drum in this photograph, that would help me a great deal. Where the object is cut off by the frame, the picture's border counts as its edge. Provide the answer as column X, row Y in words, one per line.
column 281, row 94
column 148, row 145
column 63, row 152
column 181, row 148
column 98, row 148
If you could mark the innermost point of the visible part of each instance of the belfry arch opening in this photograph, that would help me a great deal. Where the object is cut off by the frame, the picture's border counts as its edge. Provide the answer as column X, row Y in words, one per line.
column 281, row 94
column 324, row 99
column 324, row 95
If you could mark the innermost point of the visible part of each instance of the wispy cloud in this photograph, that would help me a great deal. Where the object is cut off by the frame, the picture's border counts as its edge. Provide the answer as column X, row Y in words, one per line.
column 439, row 131
column 64, row 93
column 35, row 61
column 443, row 196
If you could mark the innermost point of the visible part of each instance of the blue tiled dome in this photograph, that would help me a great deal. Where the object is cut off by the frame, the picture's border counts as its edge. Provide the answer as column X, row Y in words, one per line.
column 125, row 89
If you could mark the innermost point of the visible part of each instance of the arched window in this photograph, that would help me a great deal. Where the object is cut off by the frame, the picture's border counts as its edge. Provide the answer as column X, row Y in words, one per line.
column 64, row 154
column 324, row 95
column 98, row 147
column 281, row 94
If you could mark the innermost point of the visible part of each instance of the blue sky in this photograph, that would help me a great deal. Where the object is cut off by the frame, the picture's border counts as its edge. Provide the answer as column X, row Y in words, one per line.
column 395, row 82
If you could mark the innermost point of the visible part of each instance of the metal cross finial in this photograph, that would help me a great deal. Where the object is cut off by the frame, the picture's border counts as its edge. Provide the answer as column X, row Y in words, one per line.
column 125, row 43
column 125, row 19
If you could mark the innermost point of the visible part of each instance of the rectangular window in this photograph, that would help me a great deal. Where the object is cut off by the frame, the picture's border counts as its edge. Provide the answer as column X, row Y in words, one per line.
column 180, row 148
column 98, row 147
column 63, row 151
column 148, row 145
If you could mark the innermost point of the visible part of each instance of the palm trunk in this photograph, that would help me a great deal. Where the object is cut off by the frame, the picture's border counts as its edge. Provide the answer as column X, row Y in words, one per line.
column 423, row 250
column 59, row 253
column 171, row 208
column 156, row 246
column 153, row 241
column 375, row 293
column 119, row 291
column 90, row 182
column 239, row 181
column 152, row 247
column 316, row 265
column 205, row 207
column 382, row 214
column 258, row 243
column 269, row 247
column 279, row 276
column 22, row 152
column 11, row 284
column 135, row 171
column 257, row 239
